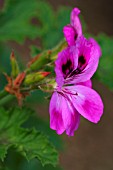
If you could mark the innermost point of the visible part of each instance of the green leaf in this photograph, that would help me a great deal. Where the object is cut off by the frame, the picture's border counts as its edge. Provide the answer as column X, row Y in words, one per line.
column 29, row 142
column 34, row 144
column 43, row 126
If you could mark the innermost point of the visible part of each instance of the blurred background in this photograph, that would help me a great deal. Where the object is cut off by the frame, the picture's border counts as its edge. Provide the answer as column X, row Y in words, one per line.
column 28, row 28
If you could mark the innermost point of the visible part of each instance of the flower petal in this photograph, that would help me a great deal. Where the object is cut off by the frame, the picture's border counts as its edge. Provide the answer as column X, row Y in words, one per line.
column 63, row 115
column 87, row 83
column 86, row 101
column 90, row 52
column 75, row 21
column 75, row 121
column 56, row 121
column 73, row 30
column 71, row 117
column 70, row 34
column 66, row 62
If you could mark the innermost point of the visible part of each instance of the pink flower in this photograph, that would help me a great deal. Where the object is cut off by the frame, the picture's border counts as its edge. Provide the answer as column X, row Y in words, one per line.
column 73, row 95
column 74, row 29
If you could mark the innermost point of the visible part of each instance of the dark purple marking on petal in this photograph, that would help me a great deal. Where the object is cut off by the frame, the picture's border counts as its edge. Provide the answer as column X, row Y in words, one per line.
column 75, row 37
column 81, row 65
column 81, row 60
column 69, row 92
column 67, row 68
column 74, row 72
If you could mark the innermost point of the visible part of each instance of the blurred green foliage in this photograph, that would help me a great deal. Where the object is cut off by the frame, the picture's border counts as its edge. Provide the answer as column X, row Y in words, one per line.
column 104, row 72
column 16, row 18
column 17, row 21
column 3, row 167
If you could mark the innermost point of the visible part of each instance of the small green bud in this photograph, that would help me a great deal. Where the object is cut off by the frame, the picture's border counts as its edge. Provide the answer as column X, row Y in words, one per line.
column 35, row 77
column 39, row 61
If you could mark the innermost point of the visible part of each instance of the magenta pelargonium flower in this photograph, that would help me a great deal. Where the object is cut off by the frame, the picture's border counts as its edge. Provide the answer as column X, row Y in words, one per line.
column 73, row 30
column 73, row 95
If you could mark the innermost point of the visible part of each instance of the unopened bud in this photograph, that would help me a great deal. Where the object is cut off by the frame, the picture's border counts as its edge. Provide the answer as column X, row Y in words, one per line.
column 35, row 77
column 39, row 61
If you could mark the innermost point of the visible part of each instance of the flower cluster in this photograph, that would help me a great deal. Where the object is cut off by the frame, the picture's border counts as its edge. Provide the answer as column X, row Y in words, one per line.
column 74, row 67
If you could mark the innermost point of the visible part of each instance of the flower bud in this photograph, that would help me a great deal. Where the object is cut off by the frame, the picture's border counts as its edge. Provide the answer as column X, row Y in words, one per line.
column 39, row 61
column 35, row 77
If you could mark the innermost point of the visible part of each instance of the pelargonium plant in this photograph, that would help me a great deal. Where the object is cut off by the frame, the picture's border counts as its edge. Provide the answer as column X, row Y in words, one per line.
column 75, row 60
